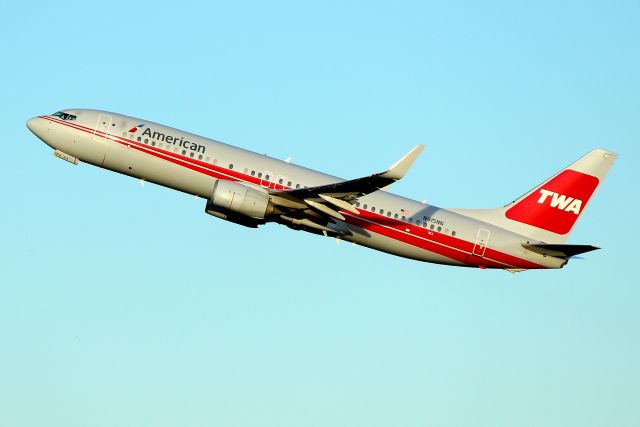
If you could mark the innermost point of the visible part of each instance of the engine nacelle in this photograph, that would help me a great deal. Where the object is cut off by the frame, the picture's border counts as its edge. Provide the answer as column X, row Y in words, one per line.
column 218, row 212
column 240, row 199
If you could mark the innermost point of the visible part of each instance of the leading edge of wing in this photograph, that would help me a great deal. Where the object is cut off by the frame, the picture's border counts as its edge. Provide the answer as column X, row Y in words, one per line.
column 352, row 189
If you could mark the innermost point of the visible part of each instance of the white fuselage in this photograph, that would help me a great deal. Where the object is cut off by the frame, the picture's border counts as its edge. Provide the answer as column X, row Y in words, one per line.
column 192, row 164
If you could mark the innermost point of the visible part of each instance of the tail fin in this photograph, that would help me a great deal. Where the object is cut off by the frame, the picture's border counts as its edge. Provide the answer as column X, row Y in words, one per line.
column 549, row 212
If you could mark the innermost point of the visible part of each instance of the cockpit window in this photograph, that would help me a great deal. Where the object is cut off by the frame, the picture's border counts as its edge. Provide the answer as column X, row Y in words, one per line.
column 64, row 116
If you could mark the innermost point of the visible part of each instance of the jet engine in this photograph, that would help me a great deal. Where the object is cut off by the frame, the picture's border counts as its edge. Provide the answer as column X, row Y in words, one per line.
column 239, row 199
column 232, row 216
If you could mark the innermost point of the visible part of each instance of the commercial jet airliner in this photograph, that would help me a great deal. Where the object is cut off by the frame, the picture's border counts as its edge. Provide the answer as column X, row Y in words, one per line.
column 252, row 189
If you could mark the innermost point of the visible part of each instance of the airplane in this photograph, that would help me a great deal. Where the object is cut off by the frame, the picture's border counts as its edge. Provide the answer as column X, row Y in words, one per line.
column 252, row 189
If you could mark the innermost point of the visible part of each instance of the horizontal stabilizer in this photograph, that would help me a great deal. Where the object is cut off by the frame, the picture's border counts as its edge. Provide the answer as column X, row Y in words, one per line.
column 559, row 251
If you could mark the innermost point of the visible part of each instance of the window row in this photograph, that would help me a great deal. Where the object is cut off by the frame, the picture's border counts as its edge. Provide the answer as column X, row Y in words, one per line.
column 282, row 180
column 267, row 175
column 409, row 220
column 168, row 147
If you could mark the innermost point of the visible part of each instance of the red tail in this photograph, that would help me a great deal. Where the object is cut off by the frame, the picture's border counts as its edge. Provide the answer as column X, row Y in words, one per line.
column 556, row 205
column 549, row 212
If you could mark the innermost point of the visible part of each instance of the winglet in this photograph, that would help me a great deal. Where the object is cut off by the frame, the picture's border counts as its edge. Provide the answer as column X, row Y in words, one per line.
column 402, row 166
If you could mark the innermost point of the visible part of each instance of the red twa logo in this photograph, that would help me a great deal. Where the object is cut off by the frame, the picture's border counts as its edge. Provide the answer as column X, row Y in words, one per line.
column 556, row 205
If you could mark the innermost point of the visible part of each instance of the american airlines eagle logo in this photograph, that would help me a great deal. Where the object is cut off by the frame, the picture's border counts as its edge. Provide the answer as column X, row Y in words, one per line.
column 560, row 201
column 135, row 128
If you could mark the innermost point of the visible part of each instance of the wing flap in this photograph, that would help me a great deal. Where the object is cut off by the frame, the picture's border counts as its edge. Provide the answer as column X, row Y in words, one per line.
column 339, row 203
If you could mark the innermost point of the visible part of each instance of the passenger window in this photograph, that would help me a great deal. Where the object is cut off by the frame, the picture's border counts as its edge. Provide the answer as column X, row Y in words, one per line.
column 253, row 173
column 200, row 157
column 280, row 181
column 184, row 152
column 381, row 211
column 297, row 186
column 432, row 227
column 365, row 206
column 230, row 165
column 373, row 209
column 389, row 214
column 259, row 174
column 357, row 204
column 410, row 220
column 404, row 218
column 266, row 177
column 191, row 154
column 139, row 139
column 396, row 216
column 153, row 143
column 146, row 140
column 453, row 233
column 175, row 150
column 439, row 229
column 289, row 184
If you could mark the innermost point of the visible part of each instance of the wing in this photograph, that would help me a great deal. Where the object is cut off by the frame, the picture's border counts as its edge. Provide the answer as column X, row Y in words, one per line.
column 326, row 200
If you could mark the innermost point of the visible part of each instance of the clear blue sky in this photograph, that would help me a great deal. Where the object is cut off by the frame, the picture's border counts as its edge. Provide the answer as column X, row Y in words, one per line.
column 128, row 306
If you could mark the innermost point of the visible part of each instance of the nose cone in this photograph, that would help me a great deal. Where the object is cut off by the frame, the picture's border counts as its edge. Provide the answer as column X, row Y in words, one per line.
column 38, row 127
column 31, row 124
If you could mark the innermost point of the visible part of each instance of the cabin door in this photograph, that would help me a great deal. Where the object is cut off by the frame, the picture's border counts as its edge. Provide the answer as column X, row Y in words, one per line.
column 481, row 242
column 103, row 127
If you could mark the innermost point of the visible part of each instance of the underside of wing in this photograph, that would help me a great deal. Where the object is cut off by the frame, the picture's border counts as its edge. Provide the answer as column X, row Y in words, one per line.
column 323, row 203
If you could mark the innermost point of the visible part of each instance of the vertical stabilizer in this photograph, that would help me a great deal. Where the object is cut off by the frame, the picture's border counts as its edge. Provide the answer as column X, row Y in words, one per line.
column 549, row 212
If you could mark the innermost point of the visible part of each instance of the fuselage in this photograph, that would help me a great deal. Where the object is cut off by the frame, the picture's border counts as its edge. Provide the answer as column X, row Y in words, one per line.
column 192, row 164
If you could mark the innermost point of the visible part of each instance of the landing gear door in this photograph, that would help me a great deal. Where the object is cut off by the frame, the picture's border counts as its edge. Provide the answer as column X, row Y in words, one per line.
column 102, row 128
column 482, row 240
